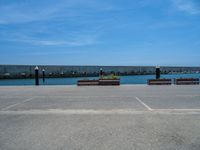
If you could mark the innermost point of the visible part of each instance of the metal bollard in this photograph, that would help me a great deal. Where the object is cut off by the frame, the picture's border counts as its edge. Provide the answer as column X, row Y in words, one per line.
column 36, row 76
column 101, row 73
column 43, row 75
column 157, row 72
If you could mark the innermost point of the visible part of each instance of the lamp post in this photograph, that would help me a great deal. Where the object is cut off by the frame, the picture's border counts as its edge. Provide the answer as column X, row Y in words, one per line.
column 43, row 75
column 101, row 73
column 36, row 76
column 157, row 72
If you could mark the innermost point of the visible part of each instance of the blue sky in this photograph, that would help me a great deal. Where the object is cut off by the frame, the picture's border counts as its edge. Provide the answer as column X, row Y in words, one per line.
column 100, row 32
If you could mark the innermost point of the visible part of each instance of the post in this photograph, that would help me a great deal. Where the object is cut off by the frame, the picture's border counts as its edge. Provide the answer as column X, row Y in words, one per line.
column 101, row 73
column 36, row 76
column 85, row 74
column 43, row 75
column 157, row 72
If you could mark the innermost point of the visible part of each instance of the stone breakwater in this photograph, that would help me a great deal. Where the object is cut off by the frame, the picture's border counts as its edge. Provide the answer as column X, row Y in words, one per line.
column 27, row 71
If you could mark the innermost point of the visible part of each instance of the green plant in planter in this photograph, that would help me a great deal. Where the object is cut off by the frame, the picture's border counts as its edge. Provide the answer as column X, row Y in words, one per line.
column 85, row 78
column 111, row 77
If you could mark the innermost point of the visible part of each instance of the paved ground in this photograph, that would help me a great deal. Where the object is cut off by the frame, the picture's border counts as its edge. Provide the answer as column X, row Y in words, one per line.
column 87, row 118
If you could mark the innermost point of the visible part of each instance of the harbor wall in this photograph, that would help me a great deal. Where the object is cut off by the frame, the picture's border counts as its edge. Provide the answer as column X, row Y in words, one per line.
column 27, row 71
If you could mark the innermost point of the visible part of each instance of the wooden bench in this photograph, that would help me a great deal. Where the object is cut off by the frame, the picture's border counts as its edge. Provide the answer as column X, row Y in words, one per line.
column 187, row 81
column 159, row 82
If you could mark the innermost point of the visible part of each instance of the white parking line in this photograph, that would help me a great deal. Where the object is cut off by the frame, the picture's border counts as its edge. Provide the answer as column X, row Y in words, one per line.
column 71, row 96
column 98, row 112
column 11, row 106
column 178, row 109
column 190, row 96
column 145, row 105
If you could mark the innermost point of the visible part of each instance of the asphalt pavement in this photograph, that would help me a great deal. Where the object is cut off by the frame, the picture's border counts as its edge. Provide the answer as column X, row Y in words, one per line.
column 135, row 117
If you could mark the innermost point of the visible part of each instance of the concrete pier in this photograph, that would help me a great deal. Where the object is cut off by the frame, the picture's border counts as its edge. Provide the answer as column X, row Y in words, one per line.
column 87, row 118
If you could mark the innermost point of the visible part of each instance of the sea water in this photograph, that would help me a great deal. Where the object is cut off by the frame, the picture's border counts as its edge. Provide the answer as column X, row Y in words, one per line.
column 133, row 79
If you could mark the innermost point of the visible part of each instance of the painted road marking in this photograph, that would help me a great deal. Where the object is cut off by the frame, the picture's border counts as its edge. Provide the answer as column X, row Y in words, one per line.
column 145, row 105
column 101, row 112
column 171, row 109
column 11, row 106
column 190, row 96
column 92, row 96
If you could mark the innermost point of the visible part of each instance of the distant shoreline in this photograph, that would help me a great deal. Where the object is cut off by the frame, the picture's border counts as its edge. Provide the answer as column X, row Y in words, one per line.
column 77, row 77
column 60, row 77
column 28, row 71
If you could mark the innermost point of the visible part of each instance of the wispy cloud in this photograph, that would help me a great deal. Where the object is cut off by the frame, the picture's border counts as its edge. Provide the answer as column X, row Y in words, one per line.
column 168, row 24
column 87, row 40
column 189, row 6
column 23, row 12
column 67, row 23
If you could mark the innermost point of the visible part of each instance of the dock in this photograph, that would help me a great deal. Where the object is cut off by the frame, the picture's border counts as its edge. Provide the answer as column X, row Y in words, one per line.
column 102, row 118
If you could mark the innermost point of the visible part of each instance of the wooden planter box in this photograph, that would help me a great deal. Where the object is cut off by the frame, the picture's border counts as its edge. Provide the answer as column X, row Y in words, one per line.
column 98, row 82
column 187, row 81
column 159, row 82
column 87, row 82
column 109, row 81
